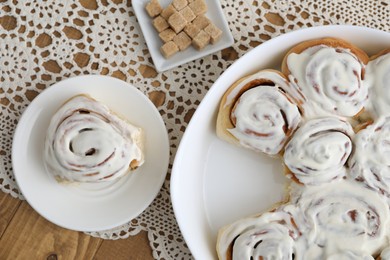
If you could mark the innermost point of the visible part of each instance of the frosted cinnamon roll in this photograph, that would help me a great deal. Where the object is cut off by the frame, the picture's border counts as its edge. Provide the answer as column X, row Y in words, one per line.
column 268, row 236
column 319, row 150
column 385, row 254
column 370, row 162
column 86, row 142
column 339, row 217
column 348, row 255
column 259, row 112
column 329, row 72
column 377, row 80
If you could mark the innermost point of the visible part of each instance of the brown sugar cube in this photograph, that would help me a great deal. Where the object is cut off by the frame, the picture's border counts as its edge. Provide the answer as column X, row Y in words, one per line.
column 179, row 4
column 201, row 21
column 191, row 30
column 168, row 12
column 177, row 22
column 168, row 49
column 160, row 23
column 201, row 40
column 198, row 7
column 167, row 35
column 187, row 13
column 214, row 32
column 182, row 41
column 153, row 8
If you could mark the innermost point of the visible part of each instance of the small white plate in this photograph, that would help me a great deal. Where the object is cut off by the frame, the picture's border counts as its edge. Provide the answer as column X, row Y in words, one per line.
column 153, row 41
column 90, row 207
column 221, row 182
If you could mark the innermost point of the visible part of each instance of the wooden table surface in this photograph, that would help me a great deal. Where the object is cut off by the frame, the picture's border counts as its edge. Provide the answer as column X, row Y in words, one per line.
column 24, row 234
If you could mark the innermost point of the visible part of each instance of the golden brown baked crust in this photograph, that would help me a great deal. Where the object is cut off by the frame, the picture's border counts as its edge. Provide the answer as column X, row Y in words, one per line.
column 328, row 41
column 381, row 53
column 224, row 121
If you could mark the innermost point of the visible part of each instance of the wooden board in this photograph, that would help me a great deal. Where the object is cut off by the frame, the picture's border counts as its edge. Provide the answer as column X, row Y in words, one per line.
column 24, row 234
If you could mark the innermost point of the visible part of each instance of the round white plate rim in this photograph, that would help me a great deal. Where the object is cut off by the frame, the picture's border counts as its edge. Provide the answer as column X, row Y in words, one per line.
column 124, row 87
column 195, row 245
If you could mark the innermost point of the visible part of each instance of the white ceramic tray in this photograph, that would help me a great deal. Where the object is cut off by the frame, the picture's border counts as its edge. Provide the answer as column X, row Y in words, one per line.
column 214, row 183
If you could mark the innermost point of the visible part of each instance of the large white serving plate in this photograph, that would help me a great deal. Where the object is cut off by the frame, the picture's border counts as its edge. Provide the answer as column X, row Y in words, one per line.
column 90, row 206
column 214, row 183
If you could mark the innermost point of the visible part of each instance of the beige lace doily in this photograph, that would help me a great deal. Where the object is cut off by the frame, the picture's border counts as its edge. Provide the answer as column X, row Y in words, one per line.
column 43, row 42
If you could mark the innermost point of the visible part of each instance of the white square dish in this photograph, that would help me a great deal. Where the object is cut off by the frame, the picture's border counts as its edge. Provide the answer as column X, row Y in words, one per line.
column 214, row 13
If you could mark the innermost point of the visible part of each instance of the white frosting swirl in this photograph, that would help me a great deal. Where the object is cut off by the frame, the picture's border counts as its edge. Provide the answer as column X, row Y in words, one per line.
column 264, row 117
column 269, row 236
column 377, row 80
column 331, row 80
column 339, row 217
column 86, row 142
column 385, row 254
column 342, row 220
column 370, row 163
column 318, row 150
column 348, row 255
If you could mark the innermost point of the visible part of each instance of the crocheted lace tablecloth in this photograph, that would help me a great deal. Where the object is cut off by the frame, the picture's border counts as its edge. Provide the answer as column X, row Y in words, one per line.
column 43, row 42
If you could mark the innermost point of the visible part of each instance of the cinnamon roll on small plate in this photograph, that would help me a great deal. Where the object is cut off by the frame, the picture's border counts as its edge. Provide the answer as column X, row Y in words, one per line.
column 87, row 142
column 92, row 141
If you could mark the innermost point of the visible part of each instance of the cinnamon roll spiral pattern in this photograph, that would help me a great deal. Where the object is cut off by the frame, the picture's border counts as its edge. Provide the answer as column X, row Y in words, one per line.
column 378, row 82
column 339, row 221
column 86, row 142
column 370, row 163
column 269, row 236
column 339, row 218
column 329, row 72
column 258, row 113
column 348, row 255
column 385, row 254
column 338, row 158
column 318, row 150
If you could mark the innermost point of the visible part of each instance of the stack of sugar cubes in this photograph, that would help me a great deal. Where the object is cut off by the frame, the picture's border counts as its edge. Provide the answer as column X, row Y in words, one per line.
column 181, row 24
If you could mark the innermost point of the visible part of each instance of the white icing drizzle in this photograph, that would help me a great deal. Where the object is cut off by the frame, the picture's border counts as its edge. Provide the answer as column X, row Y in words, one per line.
column 348, row 255
column 339, row 212
column 339, row 217
column 377, row 80
column 318, row 150
column 370, row 163
column 330, row 79
column 385, row 254
column 270, row 236
column 265, row 117
column 270, row 75
column 90, row 146
column 339, row 220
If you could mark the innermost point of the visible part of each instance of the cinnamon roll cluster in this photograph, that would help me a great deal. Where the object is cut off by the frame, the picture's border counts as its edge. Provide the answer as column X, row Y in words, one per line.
column 327, row 116
column 86, row 142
